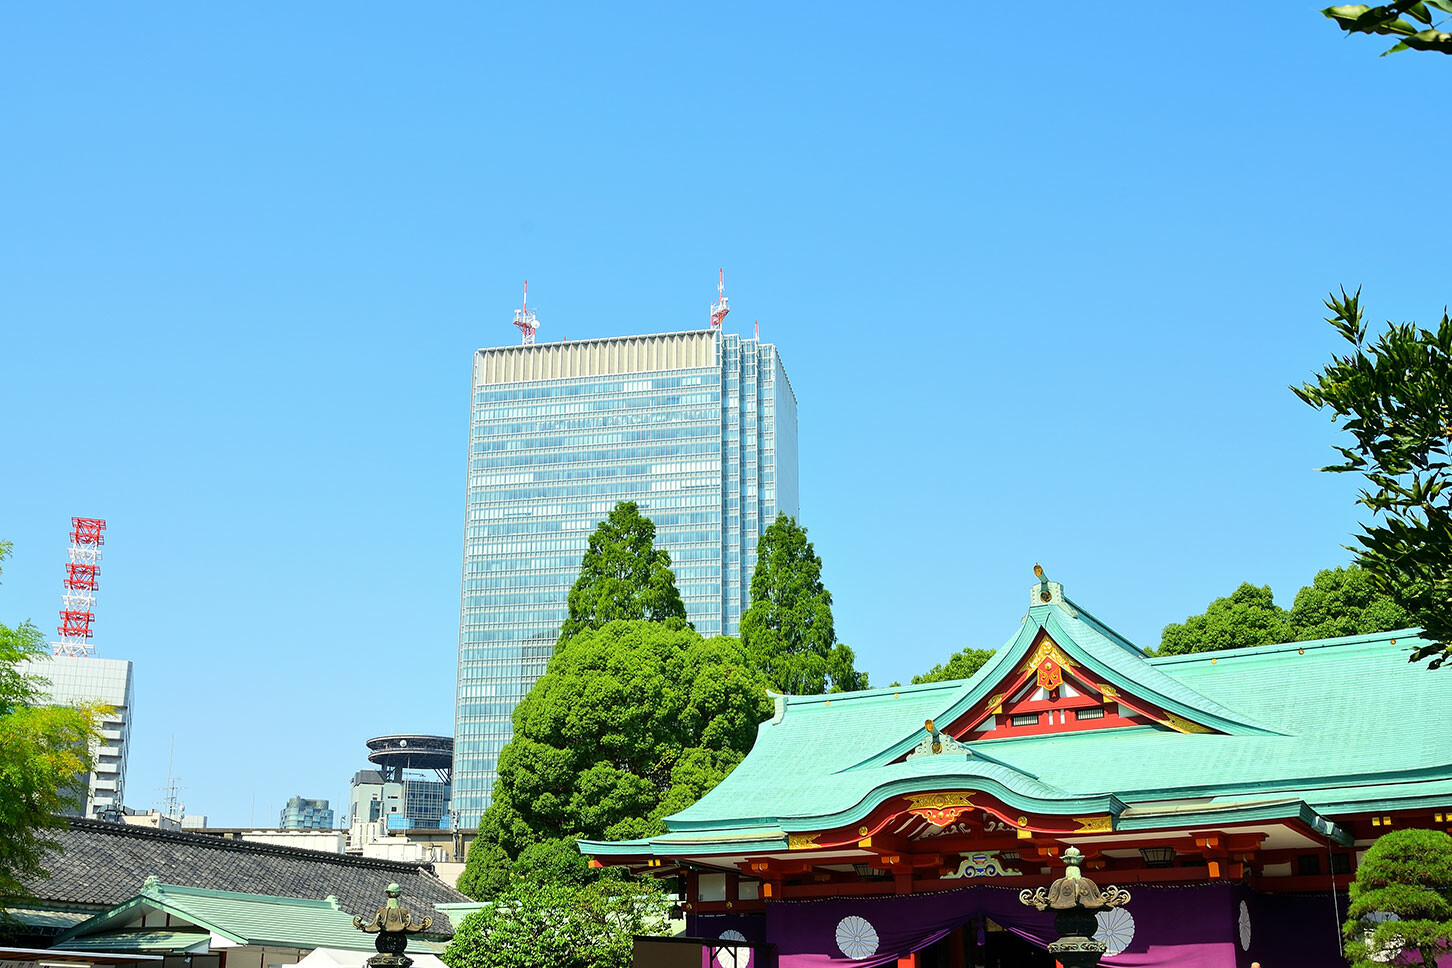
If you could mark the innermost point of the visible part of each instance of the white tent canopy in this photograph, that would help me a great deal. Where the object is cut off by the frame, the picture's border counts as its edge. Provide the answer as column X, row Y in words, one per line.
column 338, row 958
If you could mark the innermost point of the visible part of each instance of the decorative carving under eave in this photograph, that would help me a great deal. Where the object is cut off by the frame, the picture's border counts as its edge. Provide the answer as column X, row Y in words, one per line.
column 802, row 841
column 939, row 809
column 985, row 864
column 1183, row 725
column 995, row 703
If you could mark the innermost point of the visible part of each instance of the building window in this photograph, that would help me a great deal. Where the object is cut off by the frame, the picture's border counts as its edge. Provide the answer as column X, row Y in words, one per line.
column 1308, row 864
column 1096, row 712
column 1028, row 720
column 1341, row 863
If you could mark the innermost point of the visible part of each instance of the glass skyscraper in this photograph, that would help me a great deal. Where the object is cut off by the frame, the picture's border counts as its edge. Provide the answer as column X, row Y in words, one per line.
column 698, row 428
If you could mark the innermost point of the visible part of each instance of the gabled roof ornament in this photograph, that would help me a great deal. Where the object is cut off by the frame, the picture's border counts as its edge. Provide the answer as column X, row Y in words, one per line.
column 936, row 742
column 1045, row 592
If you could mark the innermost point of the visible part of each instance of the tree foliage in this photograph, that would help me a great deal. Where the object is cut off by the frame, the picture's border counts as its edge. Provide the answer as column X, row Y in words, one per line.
column 1249, row 616
column 623, row 576
column 960, row 665
column 788, row 629
column 1339, row 601
column 1401, row 901
column 1394, row 396
column 549, row 924
column 1343, row 601
column 1412, row 22
column 44, row 751
column 630, row 723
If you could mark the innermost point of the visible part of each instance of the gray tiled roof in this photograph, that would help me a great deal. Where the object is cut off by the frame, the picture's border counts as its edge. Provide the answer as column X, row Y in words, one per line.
column 107, row 863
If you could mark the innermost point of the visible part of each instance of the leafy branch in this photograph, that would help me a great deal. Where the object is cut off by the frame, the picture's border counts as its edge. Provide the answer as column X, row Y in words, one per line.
column 1395, row 20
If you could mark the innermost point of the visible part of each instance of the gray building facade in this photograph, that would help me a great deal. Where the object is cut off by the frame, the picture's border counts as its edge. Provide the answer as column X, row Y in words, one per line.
column 73, row 680
column 699, row 428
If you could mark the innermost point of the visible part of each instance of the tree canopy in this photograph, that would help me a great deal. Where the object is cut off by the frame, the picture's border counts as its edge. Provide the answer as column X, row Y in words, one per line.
column 1248, row 616
column 623, row 576
column 630, row 723
column 960, row 665
column 1339, row 601
column 788, row 629
column 550, row 924
column 1401, row 901
column 44, row 751
column 1411, row 21
column 1394, row 396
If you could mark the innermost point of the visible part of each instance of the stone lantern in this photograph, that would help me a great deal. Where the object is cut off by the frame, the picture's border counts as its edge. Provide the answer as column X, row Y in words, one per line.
column 393, row 924
column 1075, row 901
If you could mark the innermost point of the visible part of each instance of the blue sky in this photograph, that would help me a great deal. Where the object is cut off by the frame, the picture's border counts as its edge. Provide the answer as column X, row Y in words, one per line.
column 1040, row 282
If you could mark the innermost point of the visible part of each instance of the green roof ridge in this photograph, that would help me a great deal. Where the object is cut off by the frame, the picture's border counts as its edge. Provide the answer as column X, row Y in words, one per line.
column 1370, row 638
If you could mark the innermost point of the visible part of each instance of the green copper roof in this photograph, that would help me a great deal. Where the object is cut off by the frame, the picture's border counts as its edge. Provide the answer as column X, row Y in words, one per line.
column 1305, row 731
column 144, row 940
column 247, row 919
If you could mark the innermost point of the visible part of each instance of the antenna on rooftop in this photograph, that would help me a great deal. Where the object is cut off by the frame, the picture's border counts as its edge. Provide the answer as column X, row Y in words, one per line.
column 172, row 807
column 721, row 306
column 78, row 600
column 525, row 319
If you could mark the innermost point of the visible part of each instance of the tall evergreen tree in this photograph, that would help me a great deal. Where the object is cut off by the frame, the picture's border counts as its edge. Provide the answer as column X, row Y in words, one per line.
column 630, row 723
column 1393, row 395
column 788, row 629
column 624, row 576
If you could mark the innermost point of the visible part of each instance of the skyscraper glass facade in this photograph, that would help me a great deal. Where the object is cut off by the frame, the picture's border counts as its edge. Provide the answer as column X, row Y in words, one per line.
column 698, row 428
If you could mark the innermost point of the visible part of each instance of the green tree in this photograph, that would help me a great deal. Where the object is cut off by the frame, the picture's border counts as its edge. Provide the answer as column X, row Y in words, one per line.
column 487, row 870
column 629, row 724
column 1343, row 601
column 1401, row 901
column 544, row 924
column 787, row 629
column 1394, row 396
column 1420, row 32
column 44, row 751
column 960, row 665
column 1249, row 616
column 623, row 576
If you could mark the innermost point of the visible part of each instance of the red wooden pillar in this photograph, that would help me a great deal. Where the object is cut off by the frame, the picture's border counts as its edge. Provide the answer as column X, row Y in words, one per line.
column 956, row 942
column 908, row 961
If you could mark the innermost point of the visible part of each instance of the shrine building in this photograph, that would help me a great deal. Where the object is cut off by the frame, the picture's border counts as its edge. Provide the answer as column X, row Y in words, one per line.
column 1231, row 793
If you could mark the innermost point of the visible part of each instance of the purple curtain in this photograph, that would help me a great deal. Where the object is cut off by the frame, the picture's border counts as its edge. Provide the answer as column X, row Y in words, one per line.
column 1192, row 926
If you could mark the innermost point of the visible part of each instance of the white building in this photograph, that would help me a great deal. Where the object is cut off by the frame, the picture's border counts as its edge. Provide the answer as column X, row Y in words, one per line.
column 74, row 680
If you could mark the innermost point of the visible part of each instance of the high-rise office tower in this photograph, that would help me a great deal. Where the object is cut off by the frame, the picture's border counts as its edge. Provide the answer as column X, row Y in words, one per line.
column 301, row 813
column 698, row 428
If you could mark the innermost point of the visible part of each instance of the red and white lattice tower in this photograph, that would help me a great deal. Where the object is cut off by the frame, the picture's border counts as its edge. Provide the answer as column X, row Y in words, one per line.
column 78, row 600
column 525, row 319
column 722, row 305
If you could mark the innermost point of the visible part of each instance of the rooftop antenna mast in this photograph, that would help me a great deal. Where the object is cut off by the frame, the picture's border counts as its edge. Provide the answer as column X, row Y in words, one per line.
column 722, row 305
column 78, row 600
column 525, row 319
column 172, row 807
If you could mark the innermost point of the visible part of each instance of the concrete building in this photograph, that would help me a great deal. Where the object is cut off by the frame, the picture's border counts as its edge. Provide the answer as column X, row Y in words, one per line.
column 699, row 428
column 74, row 680
column 301, row 813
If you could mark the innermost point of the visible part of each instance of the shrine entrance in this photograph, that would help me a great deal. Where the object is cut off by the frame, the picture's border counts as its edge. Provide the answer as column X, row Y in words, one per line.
column 983, row 943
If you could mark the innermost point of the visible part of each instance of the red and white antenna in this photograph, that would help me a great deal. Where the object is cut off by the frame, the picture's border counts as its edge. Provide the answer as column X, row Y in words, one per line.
column 525, row 320
column 721, row 306
column 78, row 601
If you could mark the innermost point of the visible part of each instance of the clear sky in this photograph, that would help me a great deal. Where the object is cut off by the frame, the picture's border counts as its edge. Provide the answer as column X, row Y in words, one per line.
column 1040, row 282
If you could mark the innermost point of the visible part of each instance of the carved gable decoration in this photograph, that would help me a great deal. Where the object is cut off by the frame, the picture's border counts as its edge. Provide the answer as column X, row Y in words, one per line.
column 1047, row 691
